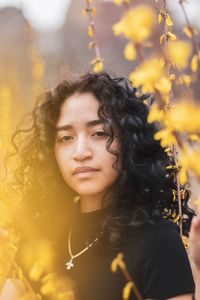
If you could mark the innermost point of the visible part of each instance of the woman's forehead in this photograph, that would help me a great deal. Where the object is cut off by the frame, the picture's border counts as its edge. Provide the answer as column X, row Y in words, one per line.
column 79, row 106
column 81, row 110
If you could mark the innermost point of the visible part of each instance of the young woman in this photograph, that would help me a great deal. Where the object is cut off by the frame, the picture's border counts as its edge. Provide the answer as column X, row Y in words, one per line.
column 90, row 139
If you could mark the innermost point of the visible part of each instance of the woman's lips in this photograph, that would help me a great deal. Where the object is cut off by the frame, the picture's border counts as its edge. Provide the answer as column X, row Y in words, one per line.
column 84, row 169
column 85, row 174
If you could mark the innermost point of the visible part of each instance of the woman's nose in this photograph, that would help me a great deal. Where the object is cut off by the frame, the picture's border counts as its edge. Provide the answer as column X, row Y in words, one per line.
column 82, row 150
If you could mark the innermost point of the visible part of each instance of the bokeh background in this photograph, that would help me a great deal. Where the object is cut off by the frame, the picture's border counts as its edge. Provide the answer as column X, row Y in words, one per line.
column 42, row 42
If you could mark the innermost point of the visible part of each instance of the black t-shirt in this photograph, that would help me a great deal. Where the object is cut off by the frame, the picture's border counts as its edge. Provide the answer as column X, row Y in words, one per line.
column 154, row 255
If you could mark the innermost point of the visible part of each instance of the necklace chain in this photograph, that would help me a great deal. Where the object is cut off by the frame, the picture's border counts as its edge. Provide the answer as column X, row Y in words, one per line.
column 69, row 264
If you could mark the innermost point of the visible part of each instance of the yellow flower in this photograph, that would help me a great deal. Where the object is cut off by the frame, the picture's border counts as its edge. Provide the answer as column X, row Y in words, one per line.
column 166, row 137
column 91, row 45
column 160, row 17
column 174, row 192
column 163, row 86
column 118, row 262
column 185, row 79
column 162, row 38
column 37, row 270
column 194, row 138
column 155, row 114
column 187, row 31
column 189, row 161
column 194, row 63
column 130, row 52
column 169, row 21
column 179, row 52
column 38, row 257
column 194, row 158
column 184, row 162
column 91, row 30
column 118, row 28
column 146, row 75
column 183, row 176
column 98, row 67
column 49, row 285
column 57, row 287
column 162, row 62
column 98, row 64
column 127, row 290
column 170, row 167
column 172, row 77
column 137, row 23
column 114, row 265
column 184, row 116
column 190, row 31
column 118, row 2
column 171, row 36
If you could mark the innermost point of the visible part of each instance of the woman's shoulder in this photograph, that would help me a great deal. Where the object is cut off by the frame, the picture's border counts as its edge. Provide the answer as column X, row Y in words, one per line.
column 156, row 234
column 163, row 227
column 155, row 226
column 164, row 233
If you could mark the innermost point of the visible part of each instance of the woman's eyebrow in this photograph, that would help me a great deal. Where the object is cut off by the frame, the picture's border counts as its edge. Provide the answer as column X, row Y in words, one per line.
column 88, row 124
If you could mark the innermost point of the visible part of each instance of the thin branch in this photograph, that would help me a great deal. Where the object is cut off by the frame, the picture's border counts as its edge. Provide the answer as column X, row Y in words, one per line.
column 173, row 147
column 194, row 42
column 129, row 279
column 90, row 11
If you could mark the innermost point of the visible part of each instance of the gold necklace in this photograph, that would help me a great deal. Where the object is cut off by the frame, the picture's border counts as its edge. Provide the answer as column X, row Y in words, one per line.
column 70, row 263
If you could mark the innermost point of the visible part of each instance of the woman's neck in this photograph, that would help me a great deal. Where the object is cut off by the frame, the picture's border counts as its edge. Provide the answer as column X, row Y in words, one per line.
column 89, row 204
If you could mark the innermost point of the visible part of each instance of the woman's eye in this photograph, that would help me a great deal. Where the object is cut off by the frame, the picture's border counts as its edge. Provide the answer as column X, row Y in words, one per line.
column 64, row 138
column 101, row 133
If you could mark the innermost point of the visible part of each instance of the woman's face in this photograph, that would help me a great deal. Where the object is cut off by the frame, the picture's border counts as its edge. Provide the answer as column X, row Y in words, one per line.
column 80, row 147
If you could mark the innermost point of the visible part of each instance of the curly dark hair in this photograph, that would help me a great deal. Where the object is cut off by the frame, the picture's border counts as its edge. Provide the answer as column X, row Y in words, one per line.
column 144, row 188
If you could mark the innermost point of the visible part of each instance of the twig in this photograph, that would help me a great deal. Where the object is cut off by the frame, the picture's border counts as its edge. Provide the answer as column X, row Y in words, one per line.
column 194, row 42
column 173, row 147
column 94, row 44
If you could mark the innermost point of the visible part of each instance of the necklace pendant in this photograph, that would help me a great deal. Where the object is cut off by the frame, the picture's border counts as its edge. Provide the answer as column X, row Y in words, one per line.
column 69, row 264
